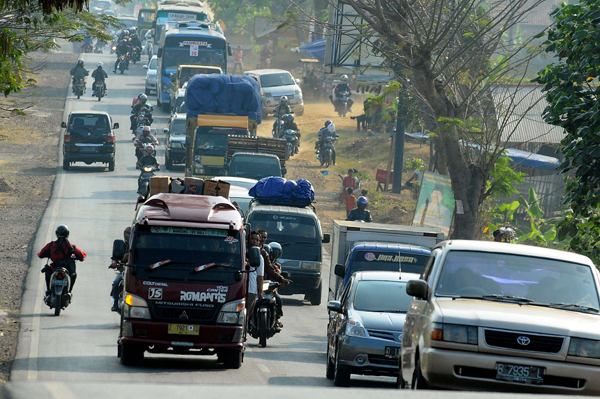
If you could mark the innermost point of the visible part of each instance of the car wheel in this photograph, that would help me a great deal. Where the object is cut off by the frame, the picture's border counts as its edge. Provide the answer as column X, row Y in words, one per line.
column 341, row 376
column 315, row 295
column 419, row 382
column 66, row 165
column 111, row 166
column 400, row 384
column 147, row 92
column 168, row 161
column 330, row 371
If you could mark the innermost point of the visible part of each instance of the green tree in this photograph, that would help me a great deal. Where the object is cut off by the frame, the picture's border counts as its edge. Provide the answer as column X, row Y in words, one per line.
column 572, row 92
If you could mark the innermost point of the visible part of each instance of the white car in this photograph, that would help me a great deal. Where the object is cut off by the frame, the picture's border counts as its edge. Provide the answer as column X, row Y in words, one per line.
column 151, row 75
column 238, row 181
column 275, row 83
column 240, row 196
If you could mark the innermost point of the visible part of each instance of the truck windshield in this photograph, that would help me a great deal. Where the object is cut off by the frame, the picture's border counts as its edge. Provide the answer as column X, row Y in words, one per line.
column 387, row 261
column 186, row 248
column 211, row 141
column 297, row 234
column 254, row 166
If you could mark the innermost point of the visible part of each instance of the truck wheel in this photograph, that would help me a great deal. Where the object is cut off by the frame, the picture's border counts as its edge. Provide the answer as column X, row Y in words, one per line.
column 66, row 165
column 315, row 295
column 168, row 161
column 232, row 359
column 111, row 166
column 147, row 92
column 131, row 354
column 166, row 107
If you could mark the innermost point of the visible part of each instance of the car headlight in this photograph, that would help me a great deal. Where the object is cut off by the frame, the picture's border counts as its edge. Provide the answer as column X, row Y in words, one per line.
column 310, row 266
column 584, row 348
column 233, row 313
column 454, row 333
column 135, row 307
column 354, row 328
column 151, row 76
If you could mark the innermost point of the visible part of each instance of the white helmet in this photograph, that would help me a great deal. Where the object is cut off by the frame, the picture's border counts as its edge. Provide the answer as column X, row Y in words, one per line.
column 331, row 128
column 344, row 78
column 284, row 99
column 100, row 64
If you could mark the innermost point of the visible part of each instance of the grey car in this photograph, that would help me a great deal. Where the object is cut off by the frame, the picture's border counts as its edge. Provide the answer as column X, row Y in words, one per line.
column 364, row 334
column 175, row 141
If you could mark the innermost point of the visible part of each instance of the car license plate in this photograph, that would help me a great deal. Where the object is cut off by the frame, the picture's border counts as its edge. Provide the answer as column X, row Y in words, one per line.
column 88, row 149
column 392, row 352
column 183, row 329
column 519, row 373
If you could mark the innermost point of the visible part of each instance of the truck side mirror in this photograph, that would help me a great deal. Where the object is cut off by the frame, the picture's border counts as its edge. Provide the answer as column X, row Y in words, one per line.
column 63, row 125
column 417, row 288
column 326, row 239
column 254, row 257
column 115, row 126
column 334, row 306
column 166, row 131
column 188, row 141
column 173, row 78
column 340, row 270
column 229, row 51
column 118, row 250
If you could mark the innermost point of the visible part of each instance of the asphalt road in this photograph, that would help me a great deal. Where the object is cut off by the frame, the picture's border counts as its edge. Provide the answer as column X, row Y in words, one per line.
column 80, row 345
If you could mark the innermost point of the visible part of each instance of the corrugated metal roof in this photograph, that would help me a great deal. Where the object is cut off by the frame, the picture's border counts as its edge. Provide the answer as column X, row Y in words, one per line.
column 522, row 109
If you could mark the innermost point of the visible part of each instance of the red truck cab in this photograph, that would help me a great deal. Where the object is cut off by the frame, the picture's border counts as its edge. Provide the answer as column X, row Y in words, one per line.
column 185, row 282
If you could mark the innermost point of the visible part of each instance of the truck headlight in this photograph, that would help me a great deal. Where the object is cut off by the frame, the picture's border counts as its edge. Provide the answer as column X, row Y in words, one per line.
column 354, row 328
column 454, row 333
column 135, row 307
column 584, row 348
column 233, row 313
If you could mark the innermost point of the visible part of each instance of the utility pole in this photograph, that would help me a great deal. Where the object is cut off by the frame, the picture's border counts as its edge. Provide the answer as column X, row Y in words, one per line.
column 398, row 149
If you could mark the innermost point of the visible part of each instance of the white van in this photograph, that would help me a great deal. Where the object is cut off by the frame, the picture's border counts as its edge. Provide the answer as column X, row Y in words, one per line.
column 275, row 83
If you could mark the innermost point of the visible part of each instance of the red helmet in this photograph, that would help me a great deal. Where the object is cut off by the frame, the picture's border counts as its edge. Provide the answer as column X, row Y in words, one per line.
column 149, row 150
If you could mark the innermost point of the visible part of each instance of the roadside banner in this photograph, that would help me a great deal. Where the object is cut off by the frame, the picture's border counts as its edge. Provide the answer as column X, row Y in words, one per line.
column 436, row 203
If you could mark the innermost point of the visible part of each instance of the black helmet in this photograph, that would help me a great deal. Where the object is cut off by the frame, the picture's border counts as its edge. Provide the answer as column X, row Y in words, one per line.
column 276, row 250
column 328, row 122
column 80, row 62
column 62, row 231
column 267, row 248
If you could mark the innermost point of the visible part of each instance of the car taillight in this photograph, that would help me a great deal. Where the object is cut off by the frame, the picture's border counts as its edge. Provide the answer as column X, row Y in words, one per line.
column 110, row 138
column 67, row 138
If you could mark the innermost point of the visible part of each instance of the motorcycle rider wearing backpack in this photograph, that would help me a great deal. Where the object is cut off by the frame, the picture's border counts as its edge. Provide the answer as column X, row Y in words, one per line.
column 62, row 253
column 99, row 75
column 135, row 109
column 340, row 88
column 79, row 72
column 289, row 124
column 282, row 109
column 329, row 131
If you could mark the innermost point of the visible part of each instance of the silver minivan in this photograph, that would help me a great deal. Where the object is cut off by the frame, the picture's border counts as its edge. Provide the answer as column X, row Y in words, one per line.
column 275, row 83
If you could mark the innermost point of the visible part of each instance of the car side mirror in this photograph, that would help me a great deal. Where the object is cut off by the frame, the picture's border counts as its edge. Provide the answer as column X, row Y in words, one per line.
column 159, row 52
column 340, row 270
column 297, row 81
column 166, row 131
column 115, row 126
column 417, row 288
column 254, row 257
column 326, row 239
column 188, row 141
column 145, row 66
column 334, row 306
column 118, row 251
column 63, row 125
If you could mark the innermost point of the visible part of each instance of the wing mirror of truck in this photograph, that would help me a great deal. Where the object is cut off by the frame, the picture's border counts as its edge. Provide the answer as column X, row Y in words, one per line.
column 417, row 288
column 229, row 51
column 188, row 142
column 166, row 131
column 115, row 126
column 326, row 239
column 173, row 78
column 63, row 125
column 340, row 270
column 159, row 52
column 254, row 257
column 335, row 306
column 118, row 250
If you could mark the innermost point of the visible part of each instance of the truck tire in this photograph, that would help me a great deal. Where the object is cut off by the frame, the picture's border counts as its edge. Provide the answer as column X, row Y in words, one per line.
column 315, row 295
column 131, row 354
column 232, row 359
column 168, row 161
column 66, row 165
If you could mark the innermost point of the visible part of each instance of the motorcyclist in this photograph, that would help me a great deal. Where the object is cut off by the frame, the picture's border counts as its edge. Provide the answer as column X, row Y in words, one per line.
column 289, row 124
column 360, row 213
column 323, row 134
column 122, row 49
column 275, row 254
column 340, row 88
column 79, row 72
column 282, row 108
column 62, row 254
column 116, row 264
column 147, row 160
column 320, row 135
column 99, row 75
column 88, row 42
column 141, row 104
column 135, row 41
column 142, row 139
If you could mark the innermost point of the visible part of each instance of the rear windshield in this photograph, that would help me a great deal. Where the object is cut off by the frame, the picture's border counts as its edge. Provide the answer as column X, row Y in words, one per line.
column 389, row 261
column 276, row 79
column 297, row 234
column 381, row 296
column 153, row 63
column 91, row 122
column 177, row 127
column 254, row 167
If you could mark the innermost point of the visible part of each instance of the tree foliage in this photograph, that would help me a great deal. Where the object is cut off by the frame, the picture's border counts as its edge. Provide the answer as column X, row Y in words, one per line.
column 572, row 92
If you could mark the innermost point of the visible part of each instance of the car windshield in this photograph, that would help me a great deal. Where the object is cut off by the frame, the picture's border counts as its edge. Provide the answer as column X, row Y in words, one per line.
column 500, row 275
column 381, row 296
column 297, row 234
column 388, row 261
column 243, row 202
column 254, row 167
column 186, row 249
column 153, row 64
column 276, row 79
column 91, row 122
column 177, row 127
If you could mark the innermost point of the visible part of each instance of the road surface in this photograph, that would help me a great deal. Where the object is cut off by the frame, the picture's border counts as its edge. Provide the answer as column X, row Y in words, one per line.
column 81, row 344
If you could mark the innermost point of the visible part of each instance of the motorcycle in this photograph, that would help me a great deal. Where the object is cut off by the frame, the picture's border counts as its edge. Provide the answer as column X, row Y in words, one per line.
column 278, row 127
column 99, row 48
column 87, row 47
column 290, row 147
column 147, row 173
column 79, row 88
column 100, row 90
column 59, row 297
column 122, row 63
column 341, row 103
column 263, row 321
column 118, row 295
column 139, row 150
column 142, row 119
column 113, row 47
column 137, row 52
column 326, row 156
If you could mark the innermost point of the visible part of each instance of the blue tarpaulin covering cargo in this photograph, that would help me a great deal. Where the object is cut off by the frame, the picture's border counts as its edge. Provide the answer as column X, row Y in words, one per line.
column 223, row 94
column 532, row 160
column 279, row 191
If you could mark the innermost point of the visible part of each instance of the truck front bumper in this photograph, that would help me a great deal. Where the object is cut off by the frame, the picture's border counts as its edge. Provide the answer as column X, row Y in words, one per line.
column 304, row 281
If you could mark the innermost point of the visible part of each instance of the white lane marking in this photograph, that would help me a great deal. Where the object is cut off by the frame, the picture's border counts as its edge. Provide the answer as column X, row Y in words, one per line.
column 263, row 368
column 59, row 391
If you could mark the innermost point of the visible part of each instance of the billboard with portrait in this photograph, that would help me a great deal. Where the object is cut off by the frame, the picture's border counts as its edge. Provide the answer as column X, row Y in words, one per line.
column 435, row 207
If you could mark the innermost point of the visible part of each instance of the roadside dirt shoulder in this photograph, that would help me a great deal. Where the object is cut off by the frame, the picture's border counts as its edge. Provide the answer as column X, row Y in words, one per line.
column 28, row 159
